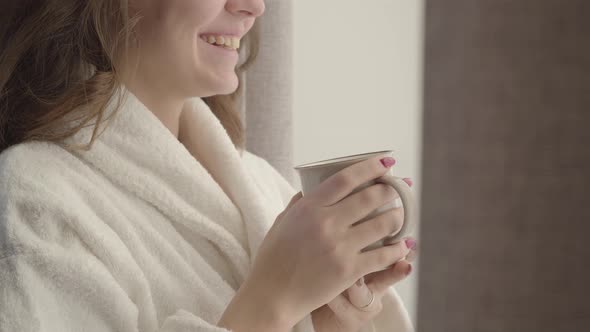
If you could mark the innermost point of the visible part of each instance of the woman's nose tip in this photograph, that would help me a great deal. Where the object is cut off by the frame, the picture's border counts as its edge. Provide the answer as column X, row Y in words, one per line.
column 249, row 7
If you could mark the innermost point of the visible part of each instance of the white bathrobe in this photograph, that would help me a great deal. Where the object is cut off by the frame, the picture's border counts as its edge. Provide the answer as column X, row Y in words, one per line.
column 139, row 233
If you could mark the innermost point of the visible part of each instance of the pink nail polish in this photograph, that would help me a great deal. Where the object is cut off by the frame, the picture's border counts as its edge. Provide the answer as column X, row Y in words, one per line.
column 409, row 270
column 388, row 162
column 408, row 181
column 410, row 243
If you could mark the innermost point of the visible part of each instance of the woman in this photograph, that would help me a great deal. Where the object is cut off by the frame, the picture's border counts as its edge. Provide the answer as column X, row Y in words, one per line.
column 129, row 203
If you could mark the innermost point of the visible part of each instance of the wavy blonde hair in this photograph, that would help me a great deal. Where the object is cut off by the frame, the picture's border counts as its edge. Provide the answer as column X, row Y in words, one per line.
column 59, row 57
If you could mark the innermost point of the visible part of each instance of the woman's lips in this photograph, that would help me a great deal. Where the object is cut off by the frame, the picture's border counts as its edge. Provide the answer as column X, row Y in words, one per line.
column 232, row 42
column 220, row 50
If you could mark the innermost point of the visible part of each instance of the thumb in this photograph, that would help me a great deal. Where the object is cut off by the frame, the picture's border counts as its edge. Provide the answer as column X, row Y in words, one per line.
column 293, row 200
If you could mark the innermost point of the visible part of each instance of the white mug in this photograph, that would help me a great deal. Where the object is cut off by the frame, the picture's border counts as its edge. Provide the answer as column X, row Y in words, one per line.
column 312, row 174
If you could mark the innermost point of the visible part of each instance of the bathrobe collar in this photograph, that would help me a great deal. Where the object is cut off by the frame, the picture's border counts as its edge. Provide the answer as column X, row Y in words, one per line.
column 140, row 154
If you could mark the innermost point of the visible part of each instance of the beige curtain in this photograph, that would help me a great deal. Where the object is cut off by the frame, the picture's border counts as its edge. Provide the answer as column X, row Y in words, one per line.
column 268, row 91
column 506, row 167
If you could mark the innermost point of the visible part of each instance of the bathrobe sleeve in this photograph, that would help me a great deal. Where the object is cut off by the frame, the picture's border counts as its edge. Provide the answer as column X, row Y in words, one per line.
column 51, row 281
column 394, row 316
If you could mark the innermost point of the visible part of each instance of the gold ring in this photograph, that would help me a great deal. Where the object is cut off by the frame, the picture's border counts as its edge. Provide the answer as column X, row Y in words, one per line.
column 370, row 302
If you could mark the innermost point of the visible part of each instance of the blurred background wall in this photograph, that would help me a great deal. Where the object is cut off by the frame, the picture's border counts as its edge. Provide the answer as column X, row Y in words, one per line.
column 357, row 86
column 506, row 167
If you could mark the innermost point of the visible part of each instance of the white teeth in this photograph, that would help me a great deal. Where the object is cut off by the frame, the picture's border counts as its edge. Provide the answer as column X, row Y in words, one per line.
column 224, row 41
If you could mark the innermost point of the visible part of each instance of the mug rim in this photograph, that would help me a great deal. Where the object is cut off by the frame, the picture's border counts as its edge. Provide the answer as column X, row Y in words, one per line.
column 339, row 159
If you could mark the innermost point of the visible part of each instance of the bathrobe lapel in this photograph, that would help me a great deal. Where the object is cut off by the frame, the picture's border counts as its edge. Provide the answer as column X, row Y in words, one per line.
column 207, row 189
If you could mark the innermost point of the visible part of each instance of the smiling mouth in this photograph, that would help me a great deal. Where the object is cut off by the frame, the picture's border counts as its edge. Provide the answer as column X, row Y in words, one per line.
column 226, row 42
column 222, row 49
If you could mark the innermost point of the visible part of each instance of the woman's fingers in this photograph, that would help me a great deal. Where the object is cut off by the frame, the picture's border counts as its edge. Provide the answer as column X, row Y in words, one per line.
column 360, row 296
column 292, row 202
column 413, row 254
column 385, row 224
column 363, row 202
column 382, row 280
column 365, row 295
column 376, row 228
column 341, row 184
column 408, row 181
column 382, row 257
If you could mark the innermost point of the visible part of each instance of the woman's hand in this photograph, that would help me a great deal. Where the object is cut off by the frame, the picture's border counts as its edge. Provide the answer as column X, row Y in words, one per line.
column 353, row 309
column 312, row 253
column 341, row 315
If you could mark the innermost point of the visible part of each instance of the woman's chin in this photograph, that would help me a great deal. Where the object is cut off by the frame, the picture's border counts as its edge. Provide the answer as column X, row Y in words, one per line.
column 223, row 84
column 228, row 86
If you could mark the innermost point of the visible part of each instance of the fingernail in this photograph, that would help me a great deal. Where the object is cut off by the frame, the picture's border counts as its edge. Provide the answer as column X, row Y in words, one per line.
column 360, row 282
column 408, row 181
column 409, row 269
column 388, row 162
column 411, row 243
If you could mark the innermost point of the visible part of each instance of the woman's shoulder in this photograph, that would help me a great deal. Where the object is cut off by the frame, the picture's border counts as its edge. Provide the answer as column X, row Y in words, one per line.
column 47, row 198
column 33, row 169
column 26, row 160
column 34, row 193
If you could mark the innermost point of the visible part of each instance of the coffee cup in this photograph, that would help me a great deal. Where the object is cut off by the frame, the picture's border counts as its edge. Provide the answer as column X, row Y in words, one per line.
column 312, row 174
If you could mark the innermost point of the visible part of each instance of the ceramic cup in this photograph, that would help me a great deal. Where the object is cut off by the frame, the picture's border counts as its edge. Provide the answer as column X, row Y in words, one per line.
column 312, row 174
